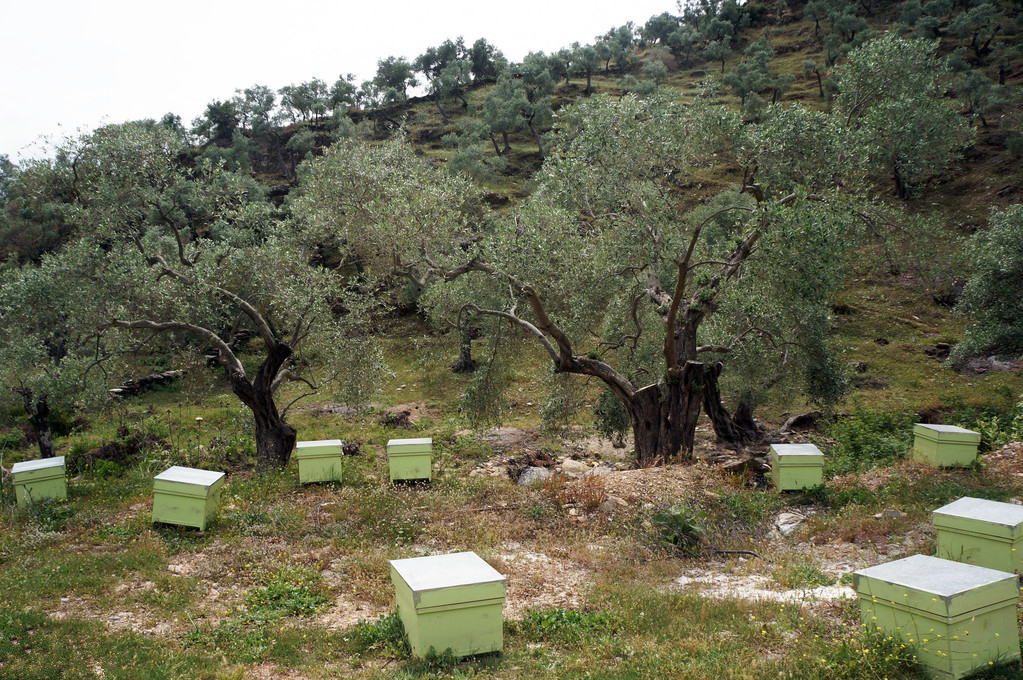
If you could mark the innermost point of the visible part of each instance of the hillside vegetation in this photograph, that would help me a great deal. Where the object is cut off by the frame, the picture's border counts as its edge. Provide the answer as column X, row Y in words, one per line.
column 630, row 265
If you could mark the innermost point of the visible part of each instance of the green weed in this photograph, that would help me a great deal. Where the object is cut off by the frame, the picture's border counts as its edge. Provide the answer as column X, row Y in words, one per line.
column 291, row 591
column 680, row 530
column 562, row 626
column 868, row 439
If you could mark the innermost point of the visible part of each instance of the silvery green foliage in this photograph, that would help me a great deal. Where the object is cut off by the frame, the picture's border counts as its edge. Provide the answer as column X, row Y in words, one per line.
column 994, row 294
column 197, row 252
column 50, row 345
column 891, row 97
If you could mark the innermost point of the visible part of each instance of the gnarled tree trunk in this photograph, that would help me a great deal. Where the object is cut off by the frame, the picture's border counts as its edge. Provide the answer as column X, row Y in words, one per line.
column 275, row 438
column 741, row 428
column 38, row 412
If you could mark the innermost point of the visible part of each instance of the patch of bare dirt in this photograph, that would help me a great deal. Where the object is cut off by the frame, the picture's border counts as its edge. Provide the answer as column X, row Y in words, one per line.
column 662, row 486
column 140, row 620
column 1006, row 462
column 982, row 365
column 537, row 580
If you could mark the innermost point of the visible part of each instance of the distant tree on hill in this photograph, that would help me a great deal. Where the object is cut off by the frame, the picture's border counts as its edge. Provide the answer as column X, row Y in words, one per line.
column 394, row 77
column 891, row 93
column 586, row 61
column 487, row 61
column 717, row 50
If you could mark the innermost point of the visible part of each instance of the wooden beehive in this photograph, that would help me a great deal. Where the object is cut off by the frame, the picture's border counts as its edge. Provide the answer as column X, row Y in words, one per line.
column 796, row 466
column 958, row 617
column 186, row 496
column 35, row 480
column 410, row 458
column 944, row 445
column 319, row 461
column 451, row 602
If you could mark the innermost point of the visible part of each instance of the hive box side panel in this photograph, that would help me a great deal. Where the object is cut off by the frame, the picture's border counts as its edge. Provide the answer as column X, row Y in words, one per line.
column 405, row 466
column 319, row 469
column 943, row 454
column 983, row 551
column 34, row 490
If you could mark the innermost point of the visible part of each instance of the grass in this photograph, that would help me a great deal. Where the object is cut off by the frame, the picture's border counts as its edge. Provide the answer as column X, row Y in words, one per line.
column 293, row 580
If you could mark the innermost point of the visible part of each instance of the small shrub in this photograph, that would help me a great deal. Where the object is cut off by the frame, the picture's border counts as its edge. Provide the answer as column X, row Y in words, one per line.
column 553, row 488
column 588, row 493
column 680, row 530
column 563, row 625
column 49, row 514
column 12, row 439
column 869, row 439
column 611, row 417
column 747, row 507
column 802, row 575
column 997, row 431
column 384, row 636
column 292, row 591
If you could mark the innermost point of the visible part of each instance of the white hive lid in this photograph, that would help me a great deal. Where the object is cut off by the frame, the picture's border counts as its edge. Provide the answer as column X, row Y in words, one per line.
column 445, row 571
column 946, row 429
column 187, row 475
column 410, row 442
column 796, row 450
column 943, row 578
column 989, row 512
column 317, row 443
column 40, row 464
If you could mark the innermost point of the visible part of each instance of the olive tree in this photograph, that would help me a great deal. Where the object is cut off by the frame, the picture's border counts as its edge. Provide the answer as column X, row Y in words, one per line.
column 613, row 273
column 52, row 360
column 404, row 219
column 198, row 254
column 891, row 93
column 993, row 296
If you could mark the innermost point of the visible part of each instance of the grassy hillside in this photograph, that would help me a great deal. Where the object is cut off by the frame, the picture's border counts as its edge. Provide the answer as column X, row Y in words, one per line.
column 292, row 581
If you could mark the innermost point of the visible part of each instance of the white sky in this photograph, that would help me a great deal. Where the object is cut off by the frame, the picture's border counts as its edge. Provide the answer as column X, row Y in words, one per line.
column 71, row 65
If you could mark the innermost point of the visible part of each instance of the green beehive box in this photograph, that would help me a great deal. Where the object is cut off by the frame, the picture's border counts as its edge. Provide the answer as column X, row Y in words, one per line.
column 186, row 496
column 410, row 458
column 982, row 532
column 957, row 616
column 450, row 602
column 944, row 445
column 796, row 466
column 35, row 480
column 319, row 461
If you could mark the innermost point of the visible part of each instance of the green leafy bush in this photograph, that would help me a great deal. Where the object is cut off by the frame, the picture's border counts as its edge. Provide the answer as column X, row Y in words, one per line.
column 997, row 431
column 12, row 439
column 291, row 591
column 680, row 530
column 869, row 439
column 563, row 625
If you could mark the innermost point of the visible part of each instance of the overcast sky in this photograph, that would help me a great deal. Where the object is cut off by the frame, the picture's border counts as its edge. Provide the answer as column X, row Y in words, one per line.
column 74, row 64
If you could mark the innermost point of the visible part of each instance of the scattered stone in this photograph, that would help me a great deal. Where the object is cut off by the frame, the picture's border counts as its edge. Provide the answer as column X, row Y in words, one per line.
column 748, row 463
column 787, row 522
column 402, row 419
column 137, row 386
column 890, row 514
column 599, row 471
column 533, row 475
column 939, row 351
column 574, row 468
